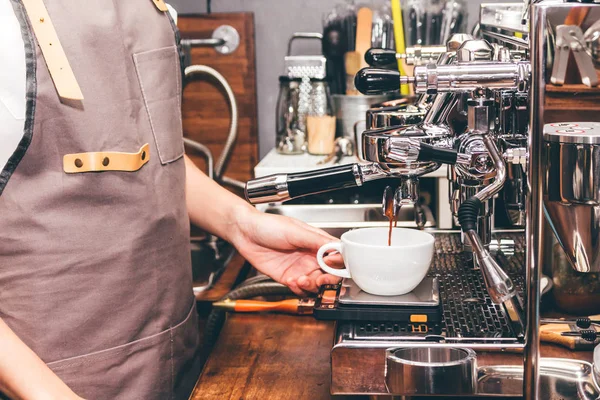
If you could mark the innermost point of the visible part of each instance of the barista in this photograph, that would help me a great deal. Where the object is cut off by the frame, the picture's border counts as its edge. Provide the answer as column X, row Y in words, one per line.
column 96, row 196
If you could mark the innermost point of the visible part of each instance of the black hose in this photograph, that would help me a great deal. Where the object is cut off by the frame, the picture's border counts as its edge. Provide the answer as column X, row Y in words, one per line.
column 468, row 214
column 216, row 318
column 255, row 279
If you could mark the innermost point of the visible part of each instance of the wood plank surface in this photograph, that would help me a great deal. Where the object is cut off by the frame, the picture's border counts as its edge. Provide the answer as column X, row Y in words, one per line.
column 268, row 357
column 277, row 357
column 206, row 113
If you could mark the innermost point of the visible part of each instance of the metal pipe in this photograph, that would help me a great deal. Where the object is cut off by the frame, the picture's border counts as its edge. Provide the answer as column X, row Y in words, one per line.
column 199, row 147
column 534, row 204
column 209, row 42
column 467, row 77
column 489, row 191
column 232, row 136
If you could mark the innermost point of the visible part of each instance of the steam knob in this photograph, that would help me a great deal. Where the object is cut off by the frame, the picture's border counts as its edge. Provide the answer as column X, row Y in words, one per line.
column 380, row 57
column 377, row 81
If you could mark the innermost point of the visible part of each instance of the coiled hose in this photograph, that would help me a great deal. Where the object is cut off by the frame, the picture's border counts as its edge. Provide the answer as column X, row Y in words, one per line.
column 216, row 318
column 199, row 147
column 233, row 126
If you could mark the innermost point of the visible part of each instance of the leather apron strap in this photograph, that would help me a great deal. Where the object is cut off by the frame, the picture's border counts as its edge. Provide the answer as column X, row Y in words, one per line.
column 106, row 161
column 56, row 59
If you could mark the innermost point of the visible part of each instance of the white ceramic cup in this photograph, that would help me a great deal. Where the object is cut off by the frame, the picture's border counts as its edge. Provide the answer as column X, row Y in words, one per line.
column 378, row 268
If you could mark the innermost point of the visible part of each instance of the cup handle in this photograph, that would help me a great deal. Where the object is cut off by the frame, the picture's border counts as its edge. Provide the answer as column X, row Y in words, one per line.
column 343, row 273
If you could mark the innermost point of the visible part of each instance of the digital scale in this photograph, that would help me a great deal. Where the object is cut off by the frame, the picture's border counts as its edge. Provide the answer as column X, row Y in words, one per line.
column 347, row 302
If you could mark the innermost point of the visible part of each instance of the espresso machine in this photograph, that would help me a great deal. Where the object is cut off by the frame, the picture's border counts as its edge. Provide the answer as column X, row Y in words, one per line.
column 513, row 110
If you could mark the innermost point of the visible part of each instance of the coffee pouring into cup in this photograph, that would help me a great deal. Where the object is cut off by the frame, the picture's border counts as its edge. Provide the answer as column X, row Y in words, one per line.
column 380, row 269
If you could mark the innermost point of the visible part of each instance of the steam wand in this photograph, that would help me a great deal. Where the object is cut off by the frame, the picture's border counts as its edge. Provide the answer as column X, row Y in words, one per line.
column 499, row 285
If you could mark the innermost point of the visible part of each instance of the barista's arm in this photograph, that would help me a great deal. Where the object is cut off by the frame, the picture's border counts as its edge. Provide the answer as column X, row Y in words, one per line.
column 23, row 375
column 281, row 247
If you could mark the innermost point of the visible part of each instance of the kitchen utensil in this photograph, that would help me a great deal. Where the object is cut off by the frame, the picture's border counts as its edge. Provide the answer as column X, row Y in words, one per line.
column 592, row 39
column 383, row 27
column 380, row 269
column 431, row 371
column 301, row 66
column 581, row 322
column 586, row 334
column 355, row 60
column 350, row 109
column 568, row 336
column 364, row 25
column 352, row 63
column 291, row 136
column 343, row 147
column 335, row 45
column 291, row 306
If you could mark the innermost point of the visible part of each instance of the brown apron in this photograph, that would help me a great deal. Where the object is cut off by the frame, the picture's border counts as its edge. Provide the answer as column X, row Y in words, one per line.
column 95, row 271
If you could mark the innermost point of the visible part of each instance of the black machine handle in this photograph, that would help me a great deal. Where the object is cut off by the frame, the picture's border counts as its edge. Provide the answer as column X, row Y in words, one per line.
column 437, row 154
column 381, row 58
column 378, row 81
column 322, row 180
column 283, row 187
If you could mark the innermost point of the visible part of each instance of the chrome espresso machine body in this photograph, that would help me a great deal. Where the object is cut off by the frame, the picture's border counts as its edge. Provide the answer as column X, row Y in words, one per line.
column 512, row 111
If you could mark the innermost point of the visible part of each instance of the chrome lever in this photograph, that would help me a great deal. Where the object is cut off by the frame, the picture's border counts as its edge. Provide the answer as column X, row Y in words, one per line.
column 569, row 38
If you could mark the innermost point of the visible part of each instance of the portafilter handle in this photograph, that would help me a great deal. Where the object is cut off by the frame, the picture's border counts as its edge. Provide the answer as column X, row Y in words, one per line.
column 284, row 187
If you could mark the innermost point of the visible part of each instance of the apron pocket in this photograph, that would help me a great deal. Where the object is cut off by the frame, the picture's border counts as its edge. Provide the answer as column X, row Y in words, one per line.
column 148, row 368
column 159, row 75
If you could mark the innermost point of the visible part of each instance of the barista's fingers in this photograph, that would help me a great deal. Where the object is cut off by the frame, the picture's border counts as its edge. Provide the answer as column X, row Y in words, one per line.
column 334, row 260
column 293, row 285
column 308, row 283
column 326, row 279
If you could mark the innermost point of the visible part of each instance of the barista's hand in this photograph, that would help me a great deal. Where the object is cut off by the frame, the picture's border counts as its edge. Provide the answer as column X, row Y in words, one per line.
column 284, row 248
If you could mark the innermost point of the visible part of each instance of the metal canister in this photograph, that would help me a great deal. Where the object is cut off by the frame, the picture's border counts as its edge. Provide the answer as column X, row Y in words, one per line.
column 351, row 109
column 572, row 207
column 572, row 190
column 431, row 371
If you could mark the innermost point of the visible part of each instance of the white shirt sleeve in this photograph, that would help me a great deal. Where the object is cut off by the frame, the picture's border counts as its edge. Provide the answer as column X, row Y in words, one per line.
column 173, row 13
column 13, row 80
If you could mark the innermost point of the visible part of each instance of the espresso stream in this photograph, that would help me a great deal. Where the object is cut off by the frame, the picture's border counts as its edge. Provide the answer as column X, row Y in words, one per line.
column 389, row 213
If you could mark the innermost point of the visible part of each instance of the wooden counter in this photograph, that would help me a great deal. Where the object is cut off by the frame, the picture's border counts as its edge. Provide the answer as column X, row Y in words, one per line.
column 277, row 357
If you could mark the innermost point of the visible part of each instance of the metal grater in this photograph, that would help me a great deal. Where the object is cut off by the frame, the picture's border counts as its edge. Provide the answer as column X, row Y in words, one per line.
column 305, row 68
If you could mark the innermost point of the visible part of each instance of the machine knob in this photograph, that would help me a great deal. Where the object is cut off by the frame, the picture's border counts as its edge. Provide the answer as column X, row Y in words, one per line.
column 376, row 81
column 380, row 57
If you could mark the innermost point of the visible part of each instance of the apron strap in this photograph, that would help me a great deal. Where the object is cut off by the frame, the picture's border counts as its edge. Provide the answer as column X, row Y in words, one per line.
column 52, row 50
column 160, row 4
column 106, row 161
